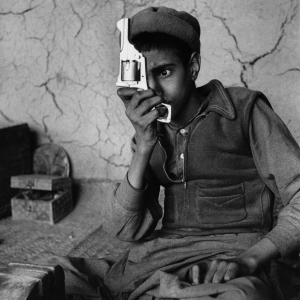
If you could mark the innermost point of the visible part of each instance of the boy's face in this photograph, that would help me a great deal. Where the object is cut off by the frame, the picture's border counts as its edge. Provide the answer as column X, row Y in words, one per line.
column 171, row 78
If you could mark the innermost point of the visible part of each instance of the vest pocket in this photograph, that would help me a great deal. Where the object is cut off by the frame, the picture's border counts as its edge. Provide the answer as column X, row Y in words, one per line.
column 220, row 205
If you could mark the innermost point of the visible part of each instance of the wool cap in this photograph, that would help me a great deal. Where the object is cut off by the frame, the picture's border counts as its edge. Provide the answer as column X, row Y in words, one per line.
column 162, row 19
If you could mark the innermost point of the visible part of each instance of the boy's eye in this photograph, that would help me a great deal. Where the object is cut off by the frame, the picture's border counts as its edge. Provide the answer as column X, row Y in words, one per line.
column 165, row 73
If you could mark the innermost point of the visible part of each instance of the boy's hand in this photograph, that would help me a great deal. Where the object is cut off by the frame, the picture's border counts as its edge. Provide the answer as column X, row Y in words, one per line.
column 139, row 105
column 245, row 264
column 218, row 271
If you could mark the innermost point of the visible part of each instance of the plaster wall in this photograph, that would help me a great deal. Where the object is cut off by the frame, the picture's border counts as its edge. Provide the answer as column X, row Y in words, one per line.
column 59, row 64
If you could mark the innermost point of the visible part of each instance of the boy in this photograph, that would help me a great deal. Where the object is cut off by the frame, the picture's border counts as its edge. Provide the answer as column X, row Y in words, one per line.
column 221, row 160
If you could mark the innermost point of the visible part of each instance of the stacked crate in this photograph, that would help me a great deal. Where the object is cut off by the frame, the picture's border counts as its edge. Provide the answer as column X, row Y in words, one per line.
column 15, row 159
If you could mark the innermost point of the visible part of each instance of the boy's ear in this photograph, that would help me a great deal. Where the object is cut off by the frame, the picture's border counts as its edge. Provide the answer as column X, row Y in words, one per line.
column 195, row 65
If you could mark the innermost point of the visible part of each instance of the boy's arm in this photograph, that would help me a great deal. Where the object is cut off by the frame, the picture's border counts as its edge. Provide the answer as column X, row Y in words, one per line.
column 139, row 106
column 138, row 168
column 134, row 207
column 277, row 158
column 134, row 212
column 243, row 265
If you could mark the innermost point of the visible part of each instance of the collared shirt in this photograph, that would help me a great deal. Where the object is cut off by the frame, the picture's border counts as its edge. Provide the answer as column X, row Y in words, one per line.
column 175, row 142
column 135, row 213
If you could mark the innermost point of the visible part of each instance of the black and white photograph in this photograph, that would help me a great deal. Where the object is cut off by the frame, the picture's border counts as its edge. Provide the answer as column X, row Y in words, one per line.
column 149, row 150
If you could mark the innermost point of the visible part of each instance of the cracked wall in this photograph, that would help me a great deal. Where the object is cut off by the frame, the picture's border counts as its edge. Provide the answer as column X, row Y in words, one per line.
column 59, row 64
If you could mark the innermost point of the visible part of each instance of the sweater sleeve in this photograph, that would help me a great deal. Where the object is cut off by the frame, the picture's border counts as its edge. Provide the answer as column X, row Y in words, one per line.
column 133, row 214
column 277, row 158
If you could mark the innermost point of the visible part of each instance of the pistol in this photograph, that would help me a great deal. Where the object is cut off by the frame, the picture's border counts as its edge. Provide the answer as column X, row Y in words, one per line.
column 133, row 66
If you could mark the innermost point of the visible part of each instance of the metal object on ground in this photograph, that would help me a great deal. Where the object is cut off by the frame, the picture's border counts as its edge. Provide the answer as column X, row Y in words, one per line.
column 51, row 159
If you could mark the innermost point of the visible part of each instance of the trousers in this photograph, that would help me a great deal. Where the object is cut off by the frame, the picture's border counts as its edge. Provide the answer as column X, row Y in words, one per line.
column 158, row 268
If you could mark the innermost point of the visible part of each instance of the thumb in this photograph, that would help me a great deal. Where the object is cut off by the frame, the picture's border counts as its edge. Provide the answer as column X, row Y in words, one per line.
column 126, row 93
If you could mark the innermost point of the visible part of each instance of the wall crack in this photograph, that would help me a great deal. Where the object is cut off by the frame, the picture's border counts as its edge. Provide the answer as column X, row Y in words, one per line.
column 52, row 94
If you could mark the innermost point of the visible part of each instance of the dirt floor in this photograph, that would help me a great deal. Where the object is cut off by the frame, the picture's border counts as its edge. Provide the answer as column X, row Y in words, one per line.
column 78, row 234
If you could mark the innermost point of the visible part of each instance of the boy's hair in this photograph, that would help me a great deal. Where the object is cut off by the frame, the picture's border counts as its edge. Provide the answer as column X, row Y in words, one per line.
column 161, row 41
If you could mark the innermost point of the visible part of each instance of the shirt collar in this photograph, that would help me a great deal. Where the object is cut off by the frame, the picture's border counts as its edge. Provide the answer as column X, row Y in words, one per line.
column 219, row 100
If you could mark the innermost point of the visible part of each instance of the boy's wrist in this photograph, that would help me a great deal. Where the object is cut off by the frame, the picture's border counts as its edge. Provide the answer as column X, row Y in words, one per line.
column 144, row 149
column 250, row 262
column 259, row 254
column 138, row 167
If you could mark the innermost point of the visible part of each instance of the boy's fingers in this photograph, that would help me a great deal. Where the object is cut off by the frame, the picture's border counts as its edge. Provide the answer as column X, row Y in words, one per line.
column 147, row 105
column 221, row 270
column 195, row 274
column 151, row 116
column 232, row 272
column 211, row 271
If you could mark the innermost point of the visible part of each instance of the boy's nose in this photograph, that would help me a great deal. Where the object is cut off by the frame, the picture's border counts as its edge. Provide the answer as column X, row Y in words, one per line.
column 153, row 84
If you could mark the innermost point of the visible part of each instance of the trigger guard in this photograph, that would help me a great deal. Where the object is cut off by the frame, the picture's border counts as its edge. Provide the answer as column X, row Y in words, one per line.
column 167, row 119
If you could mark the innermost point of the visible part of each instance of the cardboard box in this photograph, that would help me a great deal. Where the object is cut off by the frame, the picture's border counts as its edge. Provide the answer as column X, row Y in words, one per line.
column 45, row 198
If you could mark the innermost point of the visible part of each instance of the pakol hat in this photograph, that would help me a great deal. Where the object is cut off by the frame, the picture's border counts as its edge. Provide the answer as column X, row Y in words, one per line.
column 162, row 19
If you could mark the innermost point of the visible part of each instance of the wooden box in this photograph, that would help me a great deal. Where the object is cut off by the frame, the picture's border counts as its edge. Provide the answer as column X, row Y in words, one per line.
column 44, row 198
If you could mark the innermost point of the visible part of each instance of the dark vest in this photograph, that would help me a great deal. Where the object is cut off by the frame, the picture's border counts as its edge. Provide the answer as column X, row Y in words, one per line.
column 222, row 190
